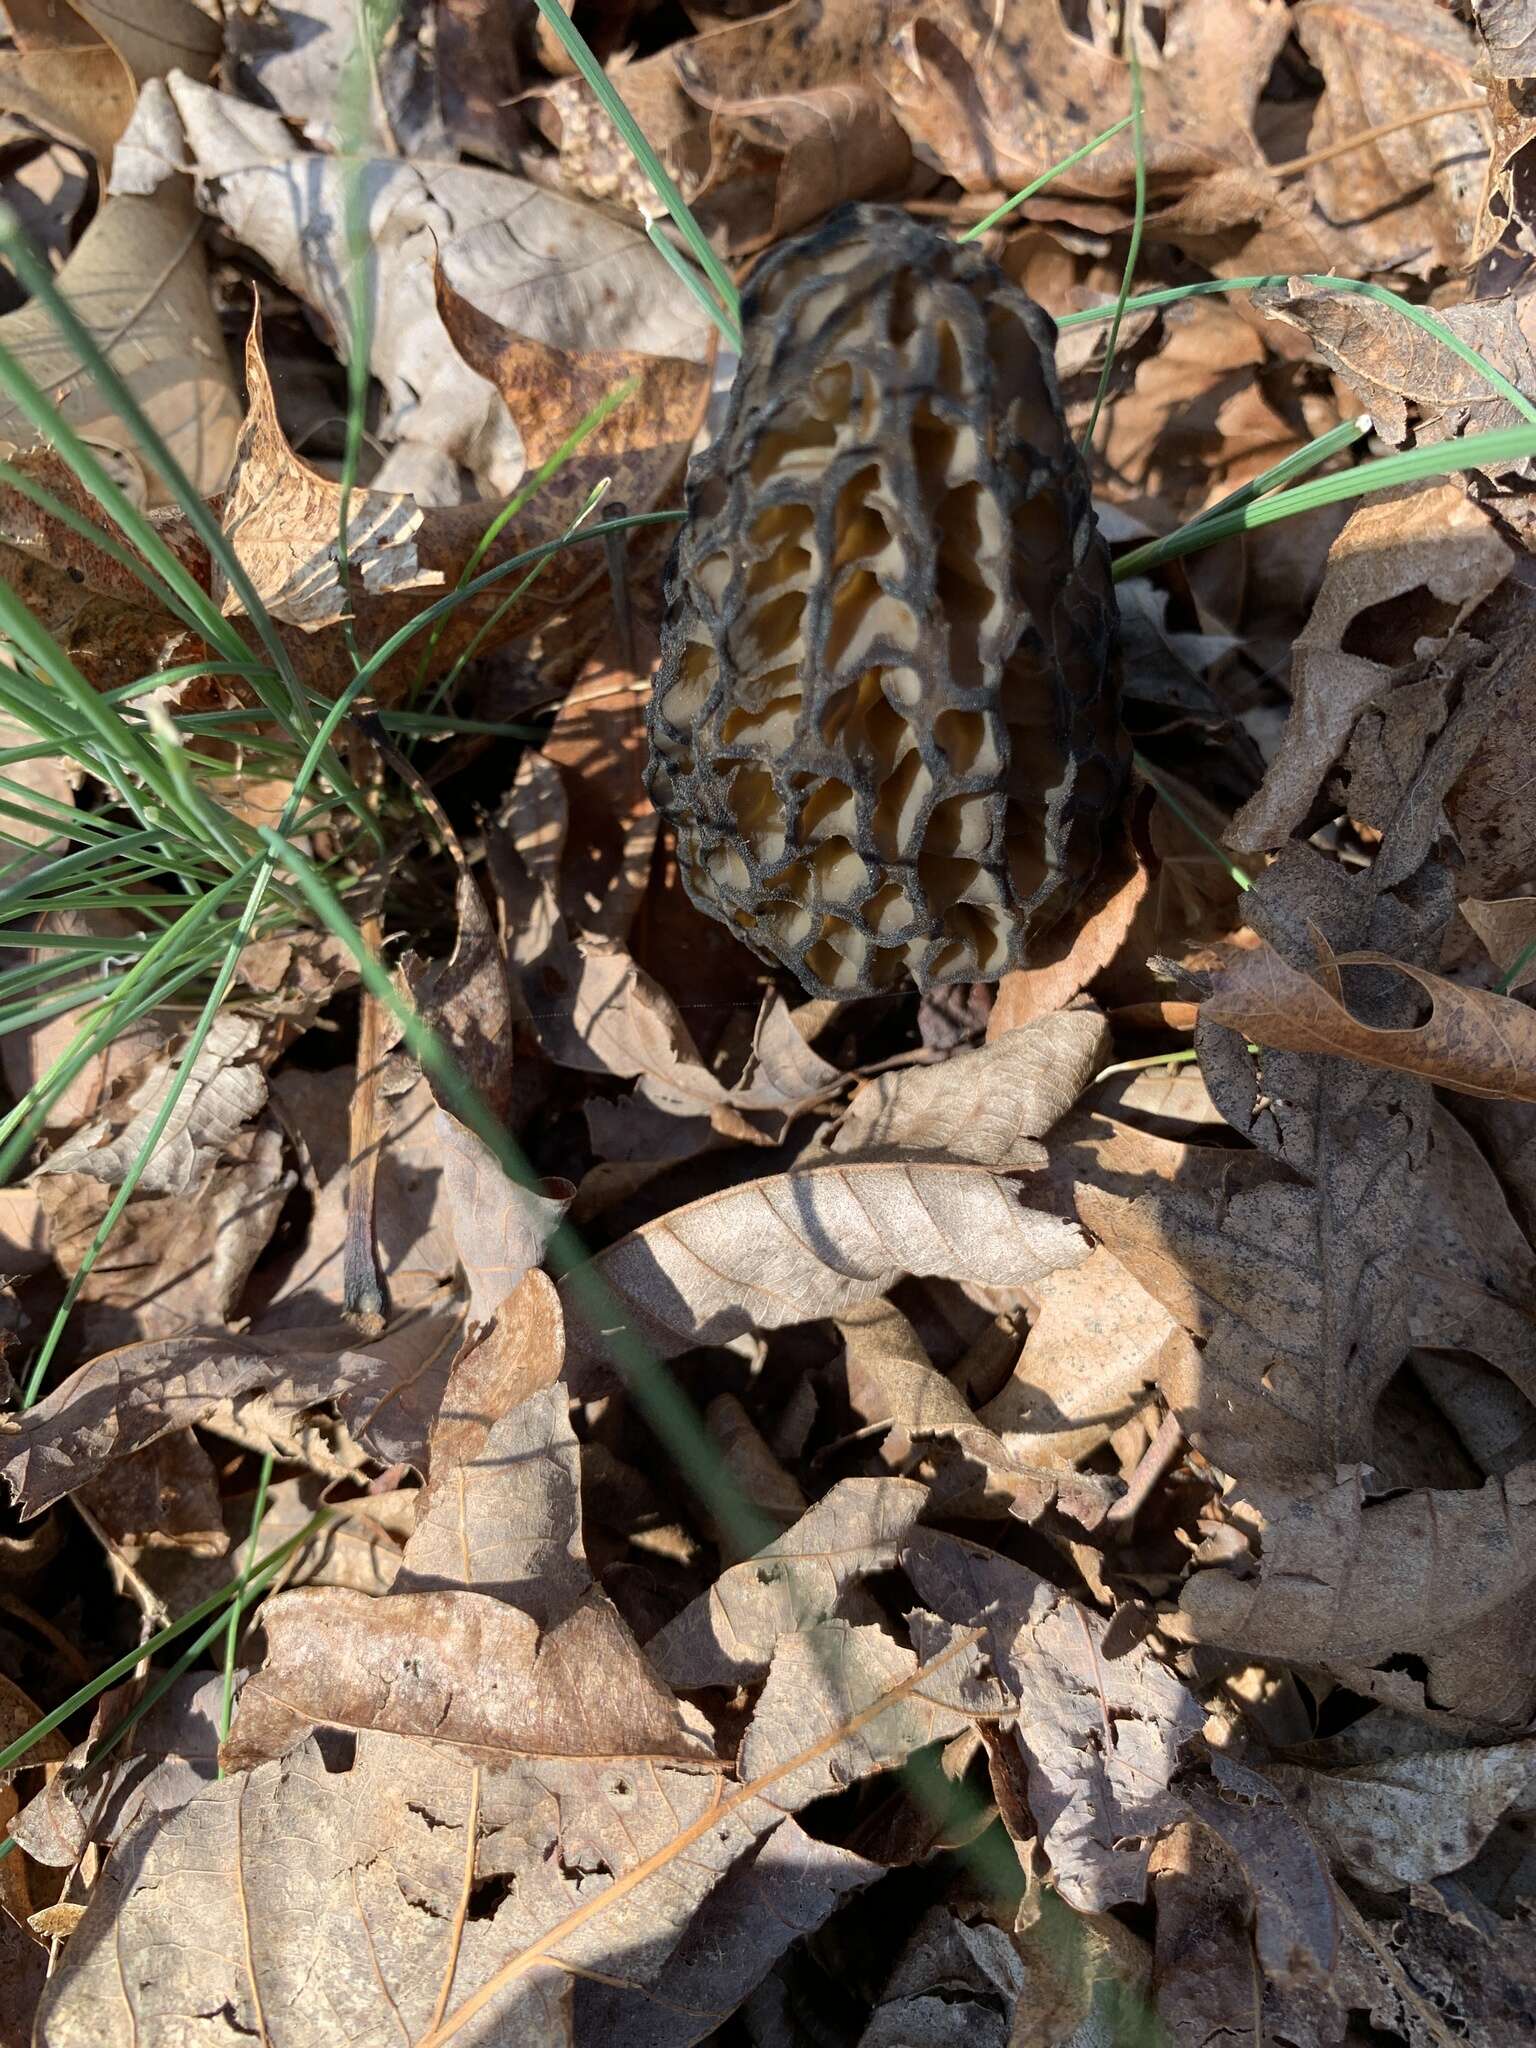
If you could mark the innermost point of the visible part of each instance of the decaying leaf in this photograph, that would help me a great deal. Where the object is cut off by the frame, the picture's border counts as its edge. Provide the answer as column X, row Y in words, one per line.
column 991, row 1105
column 225, row 1090
column 1410, row 200
column 728, row 1637
column 78, row 67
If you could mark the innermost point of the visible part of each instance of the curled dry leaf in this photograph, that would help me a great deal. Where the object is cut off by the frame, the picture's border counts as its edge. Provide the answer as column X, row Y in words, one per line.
column 1098, row 1346
column 500, row 1513
column 1414, row 568
column 796, row 1246
column 1098, row 1802
column 132, row 1397
column 1472, row 1041
column 138, row 281
column 562, row 274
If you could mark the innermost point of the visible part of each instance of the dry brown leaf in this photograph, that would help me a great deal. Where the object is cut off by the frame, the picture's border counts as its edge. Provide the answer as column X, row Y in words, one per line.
column 932, row 1432
column 132, row 1397
column 78, row 67
column 458, row 1670
column 1410, row 1818
column 994, row 94
column 164, row 1497
column 642, row 446
column 1472, row 1041
column 1508, row 932
column 1071, row 957
column 727, row 1636
column 991, row 1104
column 764, row 124
column 1392, row 364
column 173, row 1262
column 1098, row 1345
column 1347, row 1579
column 796, row 1246
column 97, row 611
column 562, row 274
column 1098, row 1803
column 500, row 1513
column 224, row 1091
column 1401, row 578
column 297, row 60
column 1409, row 201
column 139, row 283
column 393, row 1831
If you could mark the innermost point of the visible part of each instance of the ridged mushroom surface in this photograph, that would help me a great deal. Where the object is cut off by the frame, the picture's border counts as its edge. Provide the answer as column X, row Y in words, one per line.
column 886, row 723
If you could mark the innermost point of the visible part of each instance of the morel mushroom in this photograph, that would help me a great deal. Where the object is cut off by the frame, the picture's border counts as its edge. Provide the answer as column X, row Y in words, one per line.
column 886, row 724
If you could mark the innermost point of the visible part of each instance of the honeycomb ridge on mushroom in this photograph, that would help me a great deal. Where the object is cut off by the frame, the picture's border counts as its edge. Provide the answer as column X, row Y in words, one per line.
column 886, row 724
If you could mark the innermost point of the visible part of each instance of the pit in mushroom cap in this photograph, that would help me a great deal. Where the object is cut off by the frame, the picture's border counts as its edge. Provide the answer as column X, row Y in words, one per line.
column 886, row 723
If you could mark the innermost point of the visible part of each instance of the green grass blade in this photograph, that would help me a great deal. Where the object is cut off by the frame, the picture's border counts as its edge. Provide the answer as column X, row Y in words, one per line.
column 1045, row 178
column 1279, row 474
column 634, row 140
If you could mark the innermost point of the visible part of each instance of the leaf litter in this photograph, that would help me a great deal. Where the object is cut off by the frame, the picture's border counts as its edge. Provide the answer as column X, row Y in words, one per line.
column 1012, row 1516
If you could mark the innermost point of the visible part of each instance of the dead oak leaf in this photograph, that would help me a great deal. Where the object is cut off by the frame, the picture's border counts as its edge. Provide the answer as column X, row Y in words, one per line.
column 991, row 94
column 1409, row 201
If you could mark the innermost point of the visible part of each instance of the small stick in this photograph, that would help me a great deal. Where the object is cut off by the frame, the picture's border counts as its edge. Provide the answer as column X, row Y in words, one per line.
column 618, row 591
column 1150, row 1467
column 1298, row 164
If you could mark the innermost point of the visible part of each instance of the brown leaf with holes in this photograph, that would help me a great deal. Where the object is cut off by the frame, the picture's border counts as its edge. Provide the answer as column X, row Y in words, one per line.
column 1472, row 1041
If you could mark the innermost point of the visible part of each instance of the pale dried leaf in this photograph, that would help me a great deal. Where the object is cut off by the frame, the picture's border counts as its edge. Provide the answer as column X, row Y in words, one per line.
column 501, row 1511
column 460, row 1671
column 138, row 281
column 1345, row 1577
column 989, row 1104
column 796, row 1246
column 223, row 1092
column 561, row 273
column 727, row 1636
column 1413, row 1817
column 1507, row 929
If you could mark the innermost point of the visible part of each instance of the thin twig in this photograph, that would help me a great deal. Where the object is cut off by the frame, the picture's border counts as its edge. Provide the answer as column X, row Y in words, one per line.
column 1366, row 136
